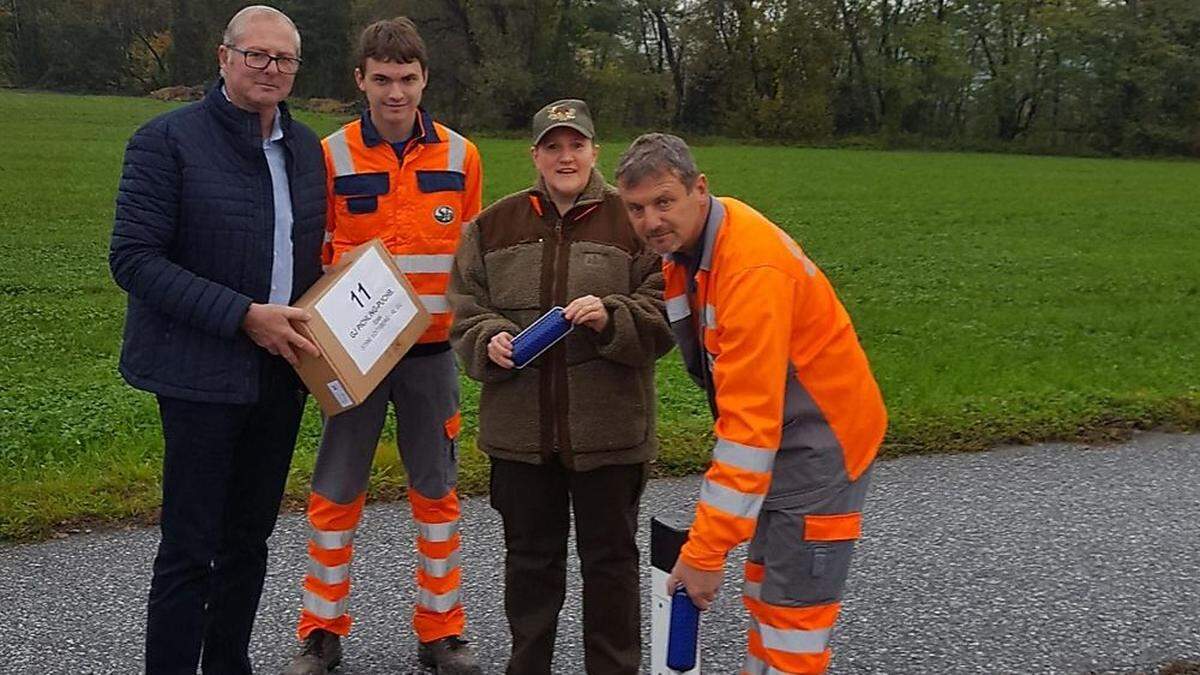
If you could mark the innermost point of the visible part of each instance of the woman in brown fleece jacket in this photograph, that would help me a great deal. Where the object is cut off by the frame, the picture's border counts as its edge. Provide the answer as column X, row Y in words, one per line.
column 576, row 427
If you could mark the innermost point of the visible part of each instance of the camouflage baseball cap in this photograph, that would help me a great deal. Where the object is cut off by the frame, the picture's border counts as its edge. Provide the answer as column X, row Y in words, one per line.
column 567, row 112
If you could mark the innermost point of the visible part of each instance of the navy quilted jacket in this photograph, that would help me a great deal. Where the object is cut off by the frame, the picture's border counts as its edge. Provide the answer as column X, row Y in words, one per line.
column 193, row 242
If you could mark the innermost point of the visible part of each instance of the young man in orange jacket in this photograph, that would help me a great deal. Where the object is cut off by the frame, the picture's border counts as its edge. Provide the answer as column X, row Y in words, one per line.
column 397, row 175
column 799, row 417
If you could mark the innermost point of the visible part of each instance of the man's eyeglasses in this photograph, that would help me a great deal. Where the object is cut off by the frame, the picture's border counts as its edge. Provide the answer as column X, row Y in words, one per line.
column 259, row 61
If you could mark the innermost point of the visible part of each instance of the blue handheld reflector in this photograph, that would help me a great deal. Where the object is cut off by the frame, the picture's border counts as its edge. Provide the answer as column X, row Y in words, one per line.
column 540, row 336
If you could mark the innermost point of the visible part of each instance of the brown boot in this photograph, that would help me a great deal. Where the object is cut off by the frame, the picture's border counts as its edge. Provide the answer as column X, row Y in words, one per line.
column 449, row 656
column 321, row 653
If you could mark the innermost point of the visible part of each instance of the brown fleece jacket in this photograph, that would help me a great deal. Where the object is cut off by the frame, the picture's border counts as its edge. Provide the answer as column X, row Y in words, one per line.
column 591, row 397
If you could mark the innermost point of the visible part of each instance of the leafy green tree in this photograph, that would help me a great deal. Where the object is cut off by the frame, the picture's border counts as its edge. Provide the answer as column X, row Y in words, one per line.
column 325, row 39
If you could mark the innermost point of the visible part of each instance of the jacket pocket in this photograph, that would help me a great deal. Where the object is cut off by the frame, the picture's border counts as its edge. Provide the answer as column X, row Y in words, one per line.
column 509, row 414
column 360, row 205
column 598, row 269
column 514, row 276
column 441, row 181
column 357, row 195
column 361, row 184
column 608, row 408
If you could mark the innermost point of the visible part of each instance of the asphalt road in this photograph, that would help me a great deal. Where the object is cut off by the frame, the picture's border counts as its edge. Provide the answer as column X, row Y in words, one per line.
column 1046, row 559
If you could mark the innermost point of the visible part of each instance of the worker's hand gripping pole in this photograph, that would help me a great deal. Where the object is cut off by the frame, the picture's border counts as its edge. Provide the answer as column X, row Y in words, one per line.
column 674, row 620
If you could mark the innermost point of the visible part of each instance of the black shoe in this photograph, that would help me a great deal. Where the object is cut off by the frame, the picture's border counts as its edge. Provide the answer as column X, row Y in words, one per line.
column 321, row 653
column 449, row 656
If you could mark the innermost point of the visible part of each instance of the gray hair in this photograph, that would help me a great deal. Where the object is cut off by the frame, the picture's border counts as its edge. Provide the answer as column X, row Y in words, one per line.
column 237, row 25
column 653, row 154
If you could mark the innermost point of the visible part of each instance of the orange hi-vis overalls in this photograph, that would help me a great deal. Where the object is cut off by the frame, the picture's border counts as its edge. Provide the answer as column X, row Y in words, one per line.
column 417, row 204
column 415, row 197
column 799, row 419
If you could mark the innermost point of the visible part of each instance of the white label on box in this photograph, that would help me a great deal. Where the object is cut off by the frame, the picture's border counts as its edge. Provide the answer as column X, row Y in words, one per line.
column 339, row 393
column 366, row 309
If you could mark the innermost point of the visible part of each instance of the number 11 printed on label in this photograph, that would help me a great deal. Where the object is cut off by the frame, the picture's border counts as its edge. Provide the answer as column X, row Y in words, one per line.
column 377, row 310
column 355, row 295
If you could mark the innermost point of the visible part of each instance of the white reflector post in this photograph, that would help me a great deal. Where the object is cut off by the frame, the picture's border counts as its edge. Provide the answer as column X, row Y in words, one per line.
column 668, row 532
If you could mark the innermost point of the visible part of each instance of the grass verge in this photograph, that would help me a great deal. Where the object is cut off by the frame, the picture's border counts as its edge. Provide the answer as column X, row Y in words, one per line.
column 1001, row 299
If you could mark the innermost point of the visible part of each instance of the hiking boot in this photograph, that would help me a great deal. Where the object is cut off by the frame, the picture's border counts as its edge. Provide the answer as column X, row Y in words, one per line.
column 321, row 653
column 449, row 656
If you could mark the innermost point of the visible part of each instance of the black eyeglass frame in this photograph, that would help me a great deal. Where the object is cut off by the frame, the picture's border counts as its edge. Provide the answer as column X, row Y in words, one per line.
column 278, row 60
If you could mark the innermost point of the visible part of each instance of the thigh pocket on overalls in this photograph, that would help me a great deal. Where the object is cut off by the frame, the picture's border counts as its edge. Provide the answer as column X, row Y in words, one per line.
column 807, row 557
column 453, row 426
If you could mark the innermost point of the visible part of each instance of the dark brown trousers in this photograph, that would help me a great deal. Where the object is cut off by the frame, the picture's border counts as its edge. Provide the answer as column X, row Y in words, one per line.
column 535, row 502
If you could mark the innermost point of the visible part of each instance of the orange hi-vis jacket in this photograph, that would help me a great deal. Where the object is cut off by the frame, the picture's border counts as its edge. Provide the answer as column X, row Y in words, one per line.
column 798, row 412
column 415, row 199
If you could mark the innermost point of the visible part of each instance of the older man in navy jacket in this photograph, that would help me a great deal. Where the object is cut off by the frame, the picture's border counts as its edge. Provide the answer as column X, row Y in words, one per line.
column 220, row 219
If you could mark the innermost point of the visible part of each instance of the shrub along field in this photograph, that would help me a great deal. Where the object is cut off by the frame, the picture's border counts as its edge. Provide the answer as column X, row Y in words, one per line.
column 1000, row 298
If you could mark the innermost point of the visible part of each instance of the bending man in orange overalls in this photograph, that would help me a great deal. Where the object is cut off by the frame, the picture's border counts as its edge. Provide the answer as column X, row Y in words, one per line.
column 799, row 416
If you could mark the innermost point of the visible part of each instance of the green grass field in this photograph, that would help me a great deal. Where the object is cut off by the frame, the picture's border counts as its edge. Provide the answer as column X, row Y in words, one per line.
column 1000, row 298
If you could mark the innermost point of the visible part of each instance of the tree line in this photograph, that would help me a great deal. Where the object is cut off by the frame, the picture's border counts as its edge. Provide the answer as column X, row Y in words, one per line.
column 1079, row 76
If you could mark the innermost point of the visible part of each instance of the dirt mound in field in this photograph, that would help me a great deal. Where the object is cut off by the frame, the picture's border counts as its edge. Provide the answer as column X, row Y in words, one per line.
column 179, row 92
column 328, row 106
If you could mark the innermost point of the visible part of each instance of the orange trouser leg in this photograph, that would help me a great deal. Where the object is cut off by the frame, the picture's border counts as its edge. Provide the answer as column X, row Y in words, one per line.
column 330, row 548
column 785, row 639
column 438, row 611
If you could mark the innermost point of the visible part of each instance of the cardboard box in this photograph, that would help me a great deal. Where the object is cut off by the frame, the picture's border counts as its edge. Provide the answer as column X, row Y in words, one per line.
column 365, row 317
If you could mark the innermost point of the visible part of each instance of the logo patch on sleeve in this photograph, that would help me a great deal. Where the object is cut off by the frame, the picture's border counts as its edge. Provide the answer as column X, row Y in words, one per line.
column 444, row 214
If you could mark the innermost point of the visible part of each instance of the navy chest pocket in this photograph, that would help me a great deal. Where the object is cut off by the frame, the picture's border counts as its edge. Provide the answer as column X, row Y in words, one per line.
column 362, row 204
column 441, row 181
column 361, row 190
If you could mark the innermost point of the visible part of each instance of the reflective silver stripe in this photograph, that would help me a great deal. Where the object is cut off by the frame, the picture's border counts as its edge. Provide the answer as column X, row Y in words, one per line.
column 755, row 666
column 323, row 608
column 712, row 227
column 436, row 304
column 328, row 575
column 752, row 590
column 339, row 152
column 328, row 236
column 677, row 308
column 710, row 316
column 740, row 504
column 793, row 640
column 425, row 264
column 457, row 155
column 331, row 538
column 743, row 456
column 439, row 567
column 438, row 531
column 437, row 603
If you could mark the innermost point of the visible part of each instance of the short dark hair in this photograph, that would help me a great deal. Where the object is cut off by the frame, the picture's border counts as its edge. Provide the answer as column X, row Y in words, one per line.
column 394, row 40
column 653, row 154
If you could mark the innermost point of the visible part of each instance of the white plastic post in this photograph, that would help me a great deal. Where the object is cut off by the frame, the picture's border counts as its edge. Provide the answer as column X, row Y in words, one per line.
column 667, row 535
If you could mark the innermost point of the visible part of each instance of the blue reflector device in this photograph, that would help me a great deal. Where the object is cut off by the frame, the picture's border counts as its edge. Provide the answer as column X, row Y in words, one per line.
column 540, row 336
column 683, row 633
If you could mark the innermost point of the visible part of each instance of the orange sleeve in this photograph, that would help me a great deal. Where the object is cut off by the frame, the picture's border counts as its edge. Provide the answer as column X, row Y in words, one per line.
column 473, row 197
column 754, row 324
column 330, row 209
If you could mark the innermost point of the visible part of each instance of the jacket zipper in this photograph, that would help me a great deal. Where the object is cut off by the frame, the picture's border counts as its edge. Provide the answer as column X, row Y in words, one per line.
column 555, row 300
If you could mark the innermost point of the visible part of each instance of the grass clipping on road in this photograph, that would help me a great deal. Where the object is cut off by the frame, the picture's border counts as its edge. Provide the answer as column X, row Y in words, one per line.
column 1000, row 298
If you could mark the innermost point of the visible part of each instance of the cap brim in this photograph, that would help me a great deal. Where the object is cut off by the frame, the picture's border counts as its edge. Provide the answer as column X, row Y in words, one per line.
column 570, row 125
